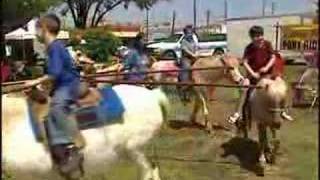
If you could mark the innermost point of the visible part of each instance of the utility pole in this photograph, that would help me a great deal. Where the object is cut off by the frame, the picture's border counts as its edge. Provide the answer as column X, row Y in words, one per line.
column 225, row 9
column 273, row 7
column 208, row 18
column 173, row 22
column 195, row 13
column 147, row 24
column 264, row 3
column 277, row 35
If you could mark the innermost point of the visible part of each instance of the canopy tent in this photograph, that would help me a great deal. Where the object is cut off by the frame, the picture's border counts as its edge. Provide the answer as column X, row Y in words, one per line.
column 30, row 33
column 21, row 34
column 22, row 37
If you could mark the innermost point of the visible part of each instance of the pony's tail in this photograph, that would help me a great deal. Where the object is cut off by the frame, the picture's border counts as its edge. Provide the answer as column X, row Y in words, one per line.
column 163, row 102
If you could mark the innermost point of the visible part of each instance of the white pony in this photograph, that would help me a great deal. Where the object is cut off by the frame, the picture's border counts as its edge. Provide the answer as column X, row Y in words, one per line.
column 143, row 117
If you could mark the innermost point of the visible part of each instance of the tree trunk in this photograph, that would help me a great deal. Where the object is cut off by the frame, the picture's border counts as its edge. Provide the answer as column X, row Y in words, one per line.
column 100, row 17
column 95, row 12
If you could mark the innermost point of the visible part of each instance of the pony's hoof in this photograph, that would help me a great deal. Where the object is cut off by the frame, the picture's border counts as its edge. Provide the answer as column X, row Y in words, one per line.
column 259, row 171
column 156, row 174
column 262, row 160
column 269, row 158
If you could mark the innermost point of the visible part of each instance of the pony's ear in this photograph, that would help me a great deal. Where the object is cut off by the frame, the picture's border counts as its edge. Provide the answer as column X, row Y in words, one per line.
column 231, row 61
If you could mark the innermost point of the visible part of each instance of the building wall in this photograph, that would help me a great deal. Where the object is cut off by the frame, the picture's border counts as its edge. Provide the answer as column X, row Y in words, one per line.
column 237, row 30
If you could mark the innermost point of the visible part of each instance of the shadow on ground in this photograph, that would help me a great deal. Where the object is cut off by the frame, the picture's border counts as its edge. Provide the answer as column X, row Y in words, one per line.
column 180, row 124
column 247, row 153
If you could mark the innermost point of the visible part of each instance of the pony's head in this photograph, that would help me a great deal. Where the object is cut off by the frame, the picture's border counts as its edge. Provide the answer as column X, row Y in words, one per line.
column 232, row 63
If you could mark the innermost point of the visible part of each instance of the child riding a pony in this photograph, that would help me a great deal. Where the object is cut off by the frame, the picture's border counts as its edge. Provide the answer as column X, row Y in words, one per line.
column 260, row 61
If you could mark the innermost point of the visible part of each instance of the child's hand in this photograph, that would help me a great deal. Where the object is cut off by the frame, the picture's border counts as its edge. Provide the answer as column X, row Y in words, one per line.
column 264, row 70
column 32, row 83
column 256, row 75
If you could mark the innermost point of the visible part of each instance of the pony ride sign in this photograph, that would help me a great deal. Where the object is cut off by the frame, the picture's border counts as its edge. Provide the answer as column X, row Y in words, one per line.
column 299, row 37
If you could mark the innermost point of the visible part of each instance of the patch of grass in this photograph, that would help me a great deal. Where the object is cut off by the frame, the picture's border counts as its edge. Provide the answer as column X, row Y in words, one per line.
column 300, row 138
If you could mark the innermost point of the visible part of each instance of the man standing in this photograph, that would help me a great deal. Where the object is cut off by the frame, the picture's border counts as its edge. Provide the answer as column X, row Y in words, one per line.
column 188, row 48
column 64, row 135
column 258, row 60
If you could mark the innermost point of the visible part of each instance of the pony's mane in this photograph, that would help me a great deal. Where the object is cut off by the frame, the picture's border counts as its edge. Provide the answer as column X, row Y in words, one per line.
column 275, row 89
column 231, row 61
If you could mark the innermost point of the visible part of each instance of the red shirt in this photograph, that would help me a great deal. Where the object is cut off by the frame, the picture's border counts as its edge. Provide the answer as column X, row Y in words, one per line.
column 258, row 54
column 5, row 73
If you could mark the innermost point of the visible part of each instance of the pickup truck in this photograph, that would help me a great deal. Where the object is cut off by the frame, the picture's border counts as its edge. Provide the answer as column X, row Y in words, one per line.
column 170, row 48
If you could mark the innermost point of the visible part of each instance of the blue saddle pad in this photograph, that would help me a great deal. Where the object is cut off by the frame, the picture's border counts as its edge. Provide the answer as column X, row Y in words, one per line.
column 109, row 111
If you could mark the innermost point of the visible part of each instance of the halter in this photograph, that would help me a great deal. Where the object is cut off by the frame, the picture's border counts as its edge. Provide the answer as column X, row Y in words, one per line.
column 276, row 110
column 226, row 71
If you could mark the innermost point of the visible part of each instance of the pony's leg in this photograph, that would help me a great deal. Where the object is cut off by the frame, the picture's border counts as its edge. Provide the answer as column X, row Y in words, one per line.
column 208, row 124
column 275, row 146
column 148, row 173
column 262, row 130
column 245, row 124
column 211, row 93
column 195, row 111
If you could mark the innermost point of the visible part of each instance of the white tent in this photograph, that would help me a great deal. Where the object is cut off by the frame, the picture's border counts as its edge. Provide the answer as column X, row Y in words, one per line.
column 22, row 34
column 19, row 34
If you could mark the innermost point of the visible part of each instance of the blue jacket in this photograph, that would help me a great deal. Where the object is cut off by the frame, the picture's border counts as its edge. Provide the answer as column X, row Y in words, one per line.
column 61, row 66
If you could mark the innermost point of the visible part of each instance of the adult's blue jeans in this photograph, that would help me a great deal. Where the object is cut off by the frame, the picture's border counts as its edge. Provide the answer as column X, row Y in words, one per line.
column 184, row 64
column 61, row 127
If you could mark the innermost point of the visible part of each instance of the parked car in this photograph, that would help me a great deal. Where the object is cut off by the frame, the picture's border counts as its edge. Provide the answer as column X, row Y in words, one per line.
column 171, row 47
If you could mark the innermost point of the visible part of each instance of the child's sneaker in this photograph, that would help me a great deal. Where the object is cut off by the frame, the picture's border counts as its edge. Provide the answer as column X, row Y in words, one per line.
column 286, row 116
column 234, row 118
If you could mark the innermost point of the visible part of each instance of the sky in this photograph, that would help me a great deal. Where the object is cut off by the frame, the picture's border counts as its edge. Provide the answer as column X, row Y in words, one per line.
column 163, row 10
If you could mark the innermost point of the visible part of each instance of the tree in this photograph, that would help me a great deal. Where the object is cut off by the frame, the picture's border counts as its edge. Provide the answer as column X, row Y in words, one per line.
column 82, row 9
column 100, row 43
column 16, row 13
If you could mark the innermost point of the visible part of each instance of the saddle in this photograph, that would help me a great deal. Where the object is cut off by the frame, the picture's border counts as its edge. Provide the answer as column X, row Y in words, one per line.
column 96, row 108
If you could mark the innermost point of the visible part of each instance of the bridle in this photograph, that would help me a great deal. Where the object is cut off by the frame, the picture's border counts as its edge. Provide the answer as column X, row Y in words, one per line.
column 227, row 71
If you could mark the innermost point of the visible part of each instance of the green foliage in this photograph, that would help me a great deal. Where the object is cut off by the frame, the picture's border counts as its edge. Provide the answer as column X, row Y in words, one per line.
column 7, row 175
column 100, row 44
column 18, row 12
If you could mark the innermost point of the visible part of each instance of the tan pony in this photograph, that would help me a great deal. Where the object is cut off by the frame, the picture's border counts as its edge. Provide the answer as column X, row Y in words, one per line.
column 266, row 105
column 227, row 69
